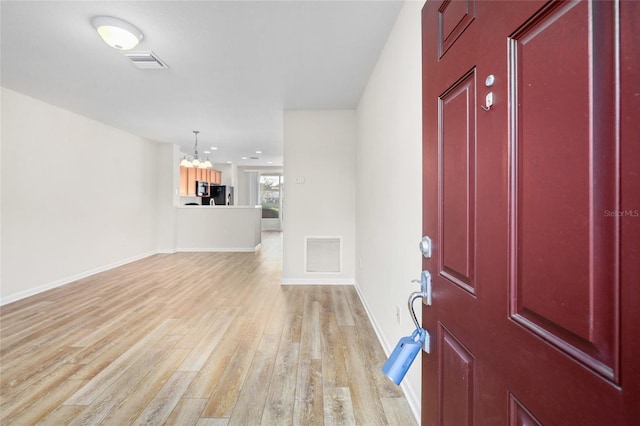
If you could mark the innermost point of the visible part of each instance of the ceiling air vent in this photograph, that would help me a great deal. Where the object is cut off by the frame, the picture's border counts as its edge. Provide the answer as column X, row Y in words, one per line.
column 146, row 60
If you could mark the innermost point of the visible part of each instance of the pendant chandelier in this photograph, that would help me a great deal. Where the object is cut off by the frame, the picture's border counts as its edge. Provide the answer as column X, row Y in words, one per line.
column 195, row 160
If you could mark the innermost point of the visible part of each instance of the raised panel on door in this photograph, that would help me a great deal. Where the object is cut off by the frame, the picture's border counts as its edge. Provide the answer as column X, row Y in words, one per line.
column 564, row 280
column 453, row 18
column 455, row 381
column 456, row 135
column 519, row 415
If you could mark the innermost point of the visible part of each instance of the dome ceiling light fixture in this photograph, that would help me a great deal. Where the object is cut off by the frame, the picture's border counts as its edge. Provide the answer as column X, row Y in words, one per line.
column 117, row 33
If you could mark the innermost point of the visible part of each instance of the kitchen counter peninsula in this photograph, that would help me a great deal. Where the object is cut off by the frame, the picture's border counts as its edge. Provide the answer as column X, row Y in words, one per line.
column 218, row 228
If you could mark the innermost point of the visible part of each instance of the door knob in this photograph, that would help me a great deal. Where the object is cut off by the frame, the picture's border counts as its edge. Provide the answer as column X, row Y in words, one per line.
column 425, row 287
column 424, row 293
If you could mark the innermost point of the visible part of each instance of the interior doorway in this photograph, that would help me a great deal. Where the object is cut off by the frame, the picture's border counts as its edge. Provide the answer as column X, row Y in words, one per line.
column 270, row 198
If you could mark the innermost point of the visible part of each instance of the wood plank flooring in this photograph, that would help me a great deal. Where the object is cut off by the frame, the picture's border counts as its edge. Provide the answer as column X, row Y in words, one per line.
column 194, row 339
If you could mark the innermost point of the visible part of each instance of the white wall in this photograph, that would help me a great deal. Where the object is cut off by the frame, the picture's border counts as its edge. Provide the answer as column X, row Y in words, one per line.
column 78, row 196
column 229, row 174
column 167, row 195
column 389, row 175
column 320, row 147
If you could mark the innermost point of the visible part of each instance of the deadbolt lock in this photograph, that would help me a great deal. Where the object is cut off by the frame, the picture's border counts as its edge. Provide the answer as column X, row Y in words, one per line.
column 425, row 247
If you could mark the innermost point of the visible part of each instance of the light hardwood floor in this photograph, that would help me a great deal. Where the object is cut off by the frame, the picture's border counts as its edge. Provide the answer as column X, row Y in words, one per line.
column 195, row 339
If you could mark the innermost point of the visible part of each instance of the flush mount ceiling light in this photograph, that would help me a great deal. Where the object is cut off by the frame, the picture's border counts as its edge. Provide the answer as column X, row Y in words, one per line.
column 117, row 33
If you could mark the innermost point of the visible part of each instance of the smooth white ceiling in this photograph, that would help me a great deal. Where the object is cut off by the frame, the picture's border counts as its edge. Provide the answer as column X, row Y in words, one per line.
column 234, row 66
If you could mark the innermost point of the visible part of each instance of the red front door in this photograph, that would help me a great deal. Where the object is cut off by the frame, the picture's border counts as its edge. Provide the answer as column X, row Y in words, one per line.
column 531, row 157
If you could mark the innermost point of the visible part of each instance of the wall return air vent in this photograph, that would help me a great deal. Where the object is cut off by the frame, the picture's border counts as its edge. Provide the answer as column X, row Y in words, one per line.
column 323, row 254
column 146, row 60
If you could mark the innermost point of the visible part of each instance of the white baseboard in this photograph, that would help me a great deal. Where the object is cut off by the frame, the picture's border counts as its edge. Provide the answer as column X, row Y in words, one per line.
column 209, row 250
column 317, row 281
column 58, row 283
column 217, row 250
column 414, row 400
